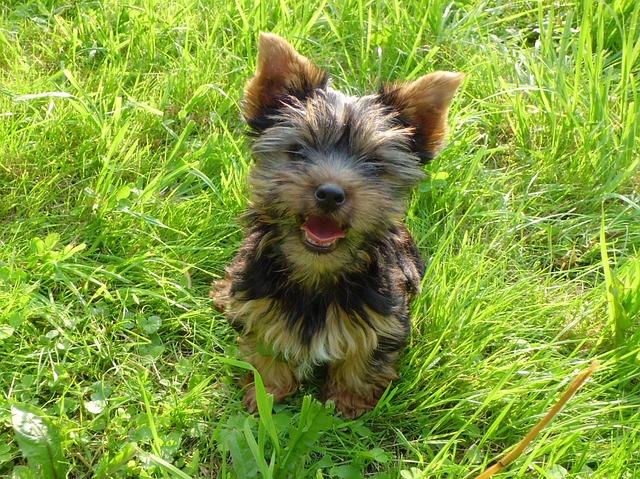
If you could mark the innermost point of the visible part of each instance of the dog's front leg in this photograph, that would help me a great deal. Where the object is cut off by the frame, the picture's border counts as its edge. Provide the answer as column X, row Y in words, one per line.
column 356, row 383
column 277, row 375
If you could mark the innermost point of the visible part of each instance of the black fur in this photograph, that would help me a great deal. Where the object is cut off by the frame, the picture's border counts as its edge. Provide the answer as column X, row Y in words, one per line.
column 329, row 288
column 267, row 275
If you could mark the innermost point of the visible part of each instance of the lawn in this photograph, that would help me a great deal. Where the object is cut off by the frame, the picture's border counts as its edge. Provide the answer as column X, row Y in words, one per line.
column 122, row 175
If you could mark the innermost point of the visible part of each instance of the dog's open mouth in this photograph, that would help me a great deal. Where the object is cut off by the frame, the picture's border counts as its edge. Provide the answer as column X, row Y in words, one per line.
column 321, row 233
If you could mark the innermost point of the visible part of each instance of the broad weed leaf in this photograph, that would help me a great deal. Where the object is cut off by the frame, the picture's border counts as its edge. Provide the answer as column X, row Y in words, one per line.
column 111, row 464
column 39, row 442
column 23, row 472
column 347, row 471
column 313, row 422
column 232, row 439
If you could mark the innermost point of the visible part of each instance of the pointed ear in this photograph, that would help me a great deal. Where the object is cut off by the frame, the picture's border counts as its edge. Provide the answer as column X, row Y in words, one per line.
column 281, row 73
column 423, row 104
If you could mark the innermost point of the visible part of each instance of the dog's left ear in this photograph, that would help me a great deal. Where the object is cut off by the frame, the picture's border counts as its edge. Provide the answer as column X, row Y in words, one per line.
column 281, row 74
column 423, row 104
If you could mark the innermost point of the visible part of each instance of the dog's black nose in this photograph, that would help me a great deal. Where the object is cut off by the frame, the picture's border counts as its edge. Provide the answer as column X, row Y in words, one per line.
column 330, row 196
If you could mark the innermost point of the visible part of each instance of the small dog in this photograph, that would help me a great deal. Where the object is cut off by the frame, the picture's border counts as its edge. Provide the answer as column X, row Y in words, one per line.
column 327, row 269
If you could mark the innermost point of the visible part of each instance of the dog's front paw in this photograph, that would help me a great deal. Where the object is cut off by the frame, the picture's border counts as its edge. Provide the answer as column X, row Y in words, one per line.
column 249, row 399
column 351, row 405
column 220, row 294
column 279, row 394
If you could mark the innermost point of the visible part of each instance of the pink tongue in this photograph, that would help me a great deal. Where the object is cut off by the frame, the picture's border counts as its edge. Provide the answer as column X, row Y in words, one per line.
column 322, row 229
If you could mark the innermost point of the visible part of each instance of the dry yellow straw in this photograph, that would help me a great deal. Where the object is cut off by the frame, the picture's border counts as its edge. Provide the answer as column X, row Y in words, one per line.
column 557, row 407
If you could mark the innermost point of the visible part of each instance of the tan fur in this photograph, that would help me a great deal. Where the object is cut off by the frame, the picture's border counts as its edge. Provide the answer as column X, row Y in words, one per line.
column 280, row 69
column 352, row 384
column 276, row 374
column 342, row 337
column 320, row 280
column 221, row 294
column 354, row 387
column 361, row 213
column 425, row 103
column 345, row 342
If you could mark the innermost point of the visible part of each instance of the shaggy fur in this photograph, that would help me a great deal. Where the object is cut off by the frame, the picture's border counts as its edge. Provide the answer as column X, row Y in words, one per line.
column 322, row 281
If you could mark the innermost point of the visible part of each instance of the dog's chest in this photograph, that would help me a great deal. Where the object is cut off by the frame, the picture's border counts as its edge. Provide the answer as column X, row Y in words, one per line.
column 344, row 337
column 341, row 336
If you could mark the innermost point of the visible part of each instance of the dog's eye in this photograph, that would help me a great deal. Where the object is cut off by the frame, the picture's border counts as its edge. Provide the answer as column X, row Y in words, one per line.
column 295, row 153
column 373, row 166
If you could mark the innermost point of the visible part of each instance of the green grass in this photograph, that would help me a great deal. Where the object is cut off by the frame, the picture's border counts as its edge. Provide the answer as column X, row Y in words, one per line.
column 122, row 173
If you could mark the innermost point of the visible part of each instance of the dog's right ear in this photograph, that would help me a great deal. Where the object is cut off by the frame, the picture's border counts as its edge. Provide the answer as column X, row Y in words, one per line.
column 281, row 73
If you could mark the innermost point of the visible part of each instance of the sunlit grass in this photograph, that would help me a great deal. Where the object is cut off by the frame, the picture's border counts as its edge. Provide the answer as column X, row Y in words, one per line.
column 122, row 174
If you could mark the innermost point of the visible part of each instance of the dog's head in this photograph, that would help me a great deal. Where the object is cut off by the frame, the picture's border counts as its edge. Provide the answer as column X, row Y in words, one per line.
column 333, row 172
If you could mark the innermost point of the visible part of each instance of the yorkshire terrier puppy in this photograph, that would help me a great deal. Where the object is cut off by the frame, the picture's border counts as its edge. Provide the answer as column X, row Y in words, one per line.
column 327, row 269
